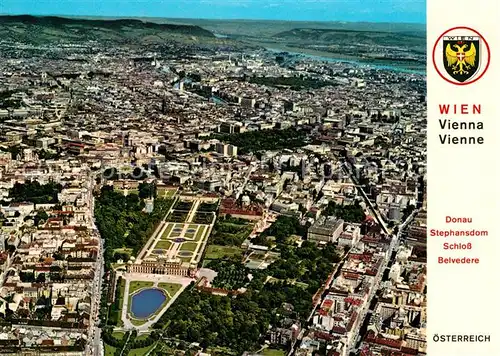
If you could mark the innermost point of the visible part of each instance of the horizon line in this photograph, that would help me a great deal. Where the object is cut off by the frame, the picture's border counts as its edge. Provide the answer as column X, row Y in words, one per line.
column 209, row 19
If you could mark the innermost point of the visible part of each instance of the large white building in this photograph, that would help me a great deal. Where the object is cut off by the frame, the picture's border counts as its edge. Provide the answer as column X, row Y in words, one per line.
column 226, row 150
column 326, row 229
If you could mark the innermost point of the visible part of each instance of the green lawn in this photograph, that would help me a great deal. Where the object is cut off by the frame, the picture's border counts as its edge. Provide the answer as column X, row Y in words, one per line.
column 171, row 288
column 137, row 322
column 142, row 337
column 167, row 231
column 185, row 259
column 219, row 350
column 177, row 216
column 301, row 284
column 115, row 266
column 109, row 350
column 174, row 234
column 163, row 244
column 230, row 232
column 166, row 192
column 129, row 191
column 118, row 335
column 170, row 193
column 122, row 288
column 136, row 285
column 121, row 297
column 129, row 251
column 189, row 246
column 140, row 352
column 273, row 352
column 215, row 251
column 200, row 233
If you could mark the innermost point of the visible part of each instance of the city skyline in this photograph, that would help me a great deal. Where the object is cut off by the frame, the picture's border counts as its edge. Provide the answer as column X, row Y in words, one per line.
column 397, row 11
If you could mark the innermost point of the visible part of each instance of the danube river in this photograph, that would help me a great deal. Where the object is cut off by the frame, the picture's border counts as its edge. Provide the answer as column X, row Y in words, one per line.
column 350, row 61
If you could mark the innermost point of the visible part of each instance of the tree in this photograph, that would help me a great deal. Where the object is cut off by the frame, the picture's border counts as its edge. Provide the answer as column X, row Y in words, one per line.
column 58, row 256
column 41, row 216
column 147, row 190
column 266, row 140
column 284, row 227
column 34, row 192
column 408, row 210
column 55, row 268
column 10, row 248
column 27, row 277
column 122, row 222
column 350, row 213
column 138, row 174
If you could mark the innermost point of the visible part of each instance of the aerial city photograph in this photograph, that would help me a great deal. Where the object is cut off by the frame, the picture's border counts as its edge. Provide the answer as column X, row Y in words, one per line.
column 213, row 177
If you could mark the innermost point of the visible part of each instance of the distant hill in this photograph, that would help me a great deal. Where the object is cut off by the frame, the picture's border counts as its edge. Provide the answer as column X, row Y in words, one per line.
column 39, row 29
column 338, row 36
column 267, row 28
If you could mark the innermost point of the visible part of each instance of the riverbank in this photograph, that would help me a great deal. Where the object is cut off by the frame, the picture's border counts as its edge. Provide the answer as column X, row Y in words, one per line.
column 331, row 57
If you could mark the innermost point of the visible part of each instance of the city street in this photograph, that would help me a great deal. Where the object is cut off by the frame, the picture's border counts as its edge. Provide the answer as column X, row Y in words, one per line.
column 94, row 345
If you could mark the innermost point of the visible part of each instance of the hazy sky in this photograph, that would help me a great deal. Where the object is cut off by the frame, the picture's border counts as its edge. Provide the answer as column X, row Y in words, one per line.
column 320, row 10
